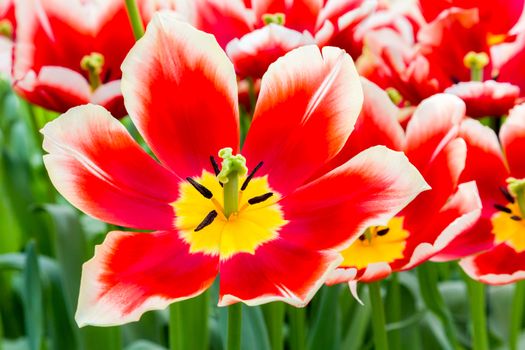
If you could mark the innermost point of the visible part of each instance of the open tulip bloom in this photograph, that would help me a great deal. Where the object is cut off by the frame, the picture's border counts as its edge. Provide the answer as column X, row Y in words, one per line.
column 257, row 219
column 422, row 229
column 499, row 170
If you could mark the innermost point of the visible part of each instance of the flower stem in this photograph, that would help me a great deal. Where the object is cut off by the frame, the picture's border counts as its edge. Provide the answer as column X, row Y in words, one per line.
column 234, row 326
column 135, row 19
column 274, row 316
column 378, row 316
column 175, row 327
column 394, row 310
column 476, row 298
column 428, row 285
column 297, row 328
column 517, row 314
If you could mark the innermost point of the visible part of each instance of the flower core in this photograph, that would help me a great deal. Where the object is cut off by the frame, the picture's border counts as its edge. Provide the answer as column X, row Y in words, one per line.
column 203, row 225
column 377, row 244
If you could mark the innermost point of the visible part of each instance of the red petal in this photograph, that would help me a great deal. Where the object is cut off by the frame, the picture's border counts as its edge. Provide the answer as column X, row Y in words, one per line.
column 96, row 165
column 446, row 41
column 278, row 271
column 226, row 20
column 501, row 265
column 55, row 88
column 485, row 162
column 512, row 136
column 166, row 77
column 255, row 51
column 486, row 99
column 373, row 186
column 508, row 61
column 306, row 110
column 110, row 97
column 299, row 15
column 132, row 273
column 497, row 22
column 456, row 217
column 377, row 125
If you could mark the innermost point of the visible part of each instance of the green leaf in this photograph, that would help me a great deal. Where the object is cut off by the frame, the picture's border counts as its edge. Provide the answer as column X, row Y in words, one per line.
column 32, row 297
column 325, row 330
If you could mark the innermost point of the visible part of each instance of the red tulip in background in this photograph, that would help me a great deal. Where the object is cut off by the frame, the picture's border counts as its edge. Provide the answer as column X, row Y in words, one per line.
column 499, row 231
column 69, row 53
column 422, row 229
column 255, row 33
column 271, row 243
column 435, row 62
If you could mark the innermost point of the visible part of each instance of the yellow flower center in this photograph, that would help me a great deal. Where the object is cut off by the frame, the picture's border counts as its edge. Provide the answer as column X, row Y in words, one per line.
column 377, row 244
column 509, row 227
column 242, row 232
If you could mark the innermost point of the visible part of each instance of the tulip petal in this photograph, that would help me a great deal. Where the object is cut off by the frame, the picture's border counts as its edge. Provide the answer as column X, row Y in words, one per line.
column 373, row 186
column 227, row 20
column 55, row 88
column 96, row 165
column 278, row 271
column 306, row 97
column 299, row 15
column 500, row 265
column 133, row 272
column 512, row 136
column 255, row 51
column 377, row 125
column 484, row 162
column 181, row 92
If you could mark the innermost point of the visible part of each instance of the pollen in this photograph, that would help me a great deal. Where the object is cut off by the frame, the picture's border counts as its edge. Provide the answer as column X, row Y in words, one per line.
column 377, row 244
column 255, row 223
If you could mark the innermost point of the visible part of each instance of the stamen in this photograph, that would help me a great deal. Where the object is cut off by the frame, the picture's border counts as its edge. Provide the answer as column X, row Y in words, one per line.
column 215, row 165
column 207, row 220
column 383, row 232
column 260, row 199
column 216, row 169
column 202, row 190
column 502, row 208
column 516, row 218
column 506, row 194
column 249, row 178
column 362, row 237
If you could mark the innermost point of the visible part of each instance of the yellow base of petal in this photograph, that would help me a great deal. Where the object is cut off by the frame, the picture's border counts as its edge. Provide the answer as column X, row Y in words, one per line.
column 242, row 232
column 509, row 231
column 374, row 248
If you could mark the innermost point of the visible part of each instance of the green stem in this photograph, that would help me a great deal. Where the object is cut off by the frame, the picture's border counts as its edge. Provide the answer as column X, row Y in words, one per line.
column 234, row 326
column 274, row 317
column 135, row 19
column 378, row 316
column 476, row 298
column 175, row 327
column 394, row 311
column 428, row 285
column 1, row 332
column 517, row 314
column 297, row 328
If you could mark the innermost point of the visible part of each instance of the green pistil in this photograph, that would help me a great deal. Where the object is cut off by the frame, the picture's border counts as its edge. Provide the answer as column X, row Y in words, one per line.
column 476, row 62
column 93, row 64
column 517, row 188
column 394, row 95
column 6, row 28
column 233, row 166
column 275, row 18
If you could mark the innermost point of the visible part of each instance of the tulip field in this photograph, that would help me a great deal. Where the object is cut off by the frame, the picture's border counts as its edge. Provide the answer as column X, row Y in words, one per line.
column 262, row 174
